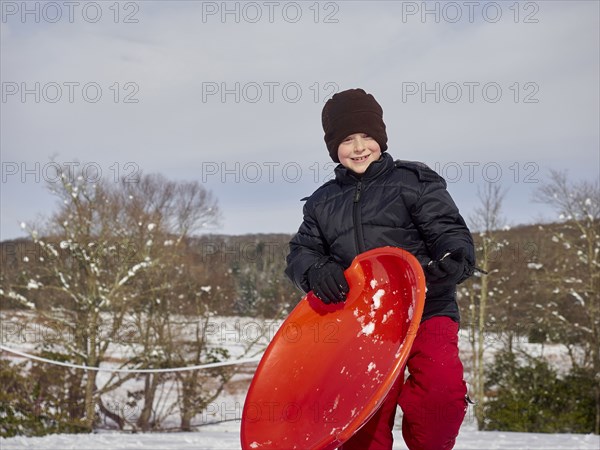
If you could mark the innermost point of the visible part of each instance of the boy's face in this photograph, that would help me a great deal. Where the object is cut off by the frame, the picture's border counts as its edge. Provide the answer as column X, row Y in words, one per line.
column 357, row 151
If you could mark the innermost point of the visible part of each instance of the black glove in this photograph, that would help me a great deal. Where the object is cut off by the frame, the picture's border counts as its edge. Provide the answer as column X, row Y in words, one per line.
column 327, row 281
column 452, row 268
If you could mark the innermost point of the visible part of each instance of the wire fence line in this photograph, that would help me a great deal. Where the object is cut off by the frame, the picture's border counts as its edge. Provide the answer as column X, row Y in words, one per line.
column 107, row 369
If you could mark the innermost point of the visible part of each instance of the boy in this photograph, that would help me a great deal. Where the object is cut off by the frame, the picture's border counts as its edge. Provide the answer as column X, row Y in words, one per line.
column 374, row 202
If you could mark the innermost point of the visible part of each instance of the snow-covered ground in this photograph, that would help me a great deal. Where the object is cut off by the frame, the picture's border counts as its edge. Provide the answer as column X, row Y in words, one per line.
column 226, row 436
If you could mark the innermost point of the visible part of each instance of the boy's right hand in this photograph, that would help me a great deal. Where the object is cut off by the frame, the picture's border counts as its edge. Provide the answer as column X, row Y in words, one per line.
column 327, row 281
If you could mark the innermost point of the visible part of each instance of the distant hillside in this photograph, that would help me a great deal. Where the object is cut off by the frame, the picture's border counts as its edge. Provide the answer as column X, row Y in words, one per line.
column 248, row 269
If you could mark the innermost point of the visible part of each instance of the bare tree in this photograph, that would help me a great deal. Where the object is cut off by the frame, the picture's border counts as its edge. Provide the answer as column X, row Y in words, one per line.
column 486, row 220
column 573, row 313
column 96, row 249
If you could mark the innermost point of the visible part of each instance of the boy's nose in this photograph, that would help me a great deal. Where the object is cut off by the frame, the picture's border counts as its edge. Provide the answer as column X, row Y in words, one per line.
column 359, row 144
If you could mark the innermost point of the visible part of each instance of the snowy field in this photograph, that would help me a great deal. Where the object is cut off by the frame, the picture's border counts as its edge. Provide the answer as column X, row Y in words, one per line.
column 226, row 436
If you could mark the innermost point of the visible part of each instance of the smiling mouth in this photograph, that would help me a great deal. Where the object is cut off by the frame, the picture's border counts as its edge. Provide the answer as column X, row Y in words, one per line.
column 360, row 158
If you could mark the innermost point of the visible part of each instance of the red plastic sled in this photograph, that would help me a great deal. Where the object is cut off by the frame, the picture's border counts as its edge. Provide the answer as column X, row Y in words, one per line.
column 329, row 367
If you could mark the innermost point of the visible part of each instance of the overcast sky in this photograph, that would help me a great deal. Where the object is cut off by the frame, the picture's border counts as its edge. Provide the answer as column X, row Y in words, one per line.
column 230, row 94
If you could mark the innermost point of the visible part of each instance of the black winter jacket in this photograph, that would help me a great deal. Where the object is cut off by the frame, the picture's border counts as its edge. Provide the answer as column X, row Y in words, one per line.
column 397, row 203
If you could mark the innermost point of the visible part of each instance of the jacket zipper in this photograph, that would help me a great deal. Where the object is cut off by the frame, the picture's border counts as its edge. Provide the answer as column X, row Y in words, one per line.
column 356, row 215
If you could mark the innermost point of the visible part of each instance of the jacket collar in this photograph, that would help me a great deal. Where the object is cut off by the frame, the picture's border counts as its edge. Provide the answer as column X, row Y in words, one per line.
column 376, row 168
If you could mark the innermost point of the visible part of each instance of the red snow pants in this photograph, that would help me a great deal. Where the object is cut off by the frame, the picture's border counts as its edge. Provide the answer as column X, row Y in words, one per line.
column 432, row 398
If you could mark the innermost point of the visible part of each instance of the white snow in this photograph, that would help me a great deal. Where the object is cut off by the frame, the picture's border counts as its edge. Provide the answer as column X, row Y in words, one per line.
column 377, row 299
column 33, row 284
column 387, row 315
column 368, row 328
column 578, row 297
column 335, row 403
column 18, row 297
column 535, row 266
column 63, row 281
column 132, row 272
column 226, row 436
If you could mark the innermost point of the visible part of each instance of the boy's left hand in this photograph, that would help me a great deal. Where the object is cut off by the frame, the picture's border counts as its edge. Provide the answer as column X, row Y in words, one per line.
column 452, row 268
column 326, row 279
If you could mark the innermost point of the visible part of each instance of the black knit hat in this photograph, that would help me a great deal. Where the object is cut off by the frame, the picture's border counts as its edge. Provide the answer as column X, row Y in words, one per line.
column 349, row 112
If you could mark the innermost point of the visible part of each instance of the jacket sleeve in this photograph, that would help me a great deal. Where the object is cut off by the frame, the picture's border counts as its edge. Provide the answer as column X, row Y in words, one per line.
column 437, row 218
column 307, row 247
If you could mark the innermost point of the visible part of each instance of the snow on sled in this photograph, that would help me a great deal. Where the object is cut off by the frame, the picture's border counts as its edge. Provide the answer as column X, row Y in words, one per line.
column 329, row 367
